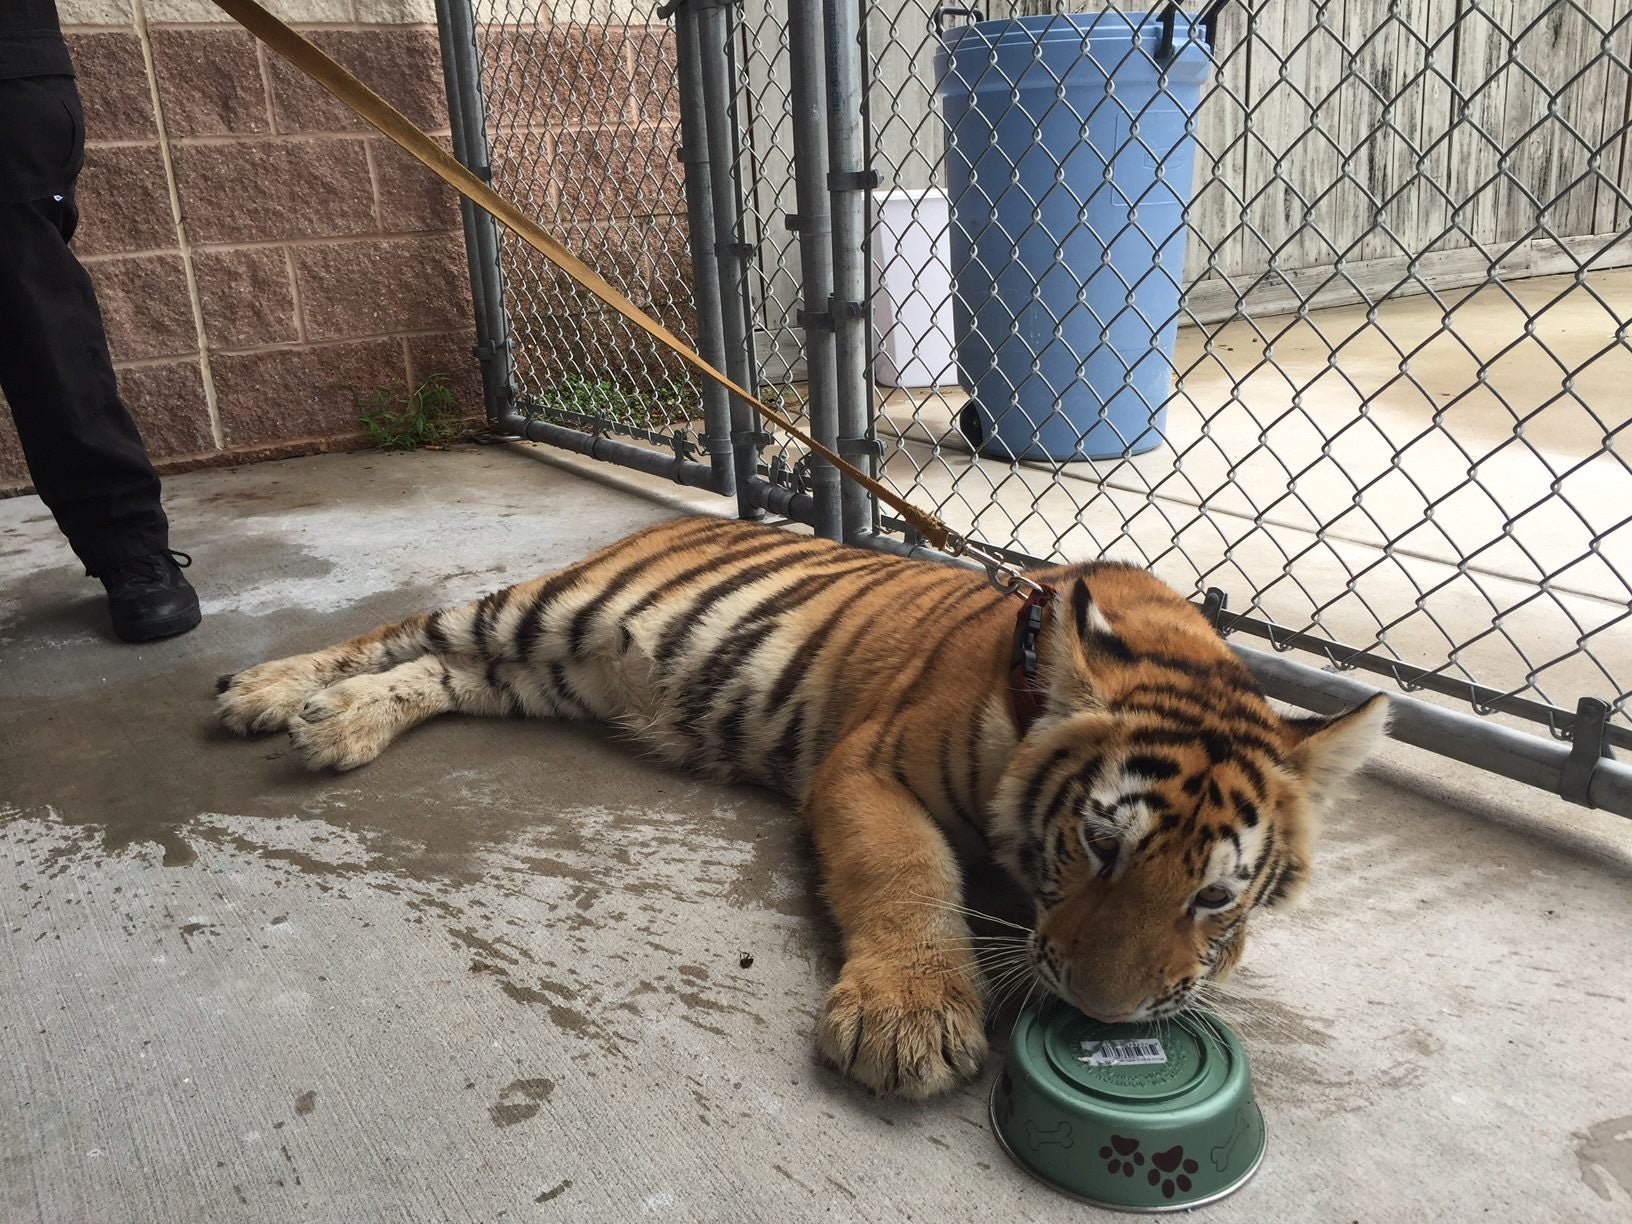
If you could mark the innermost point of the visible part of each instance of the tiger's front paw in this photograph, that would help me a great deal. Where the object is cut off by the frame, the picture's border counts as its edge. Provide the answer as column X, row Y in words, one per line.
column 266, row 697
column 904, row 1029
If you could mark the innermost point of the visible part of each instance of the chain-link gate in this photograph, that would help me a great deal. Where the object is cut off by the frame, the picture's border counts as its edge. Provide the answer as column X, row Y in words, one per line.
column 576, row 111
column 1318, row 305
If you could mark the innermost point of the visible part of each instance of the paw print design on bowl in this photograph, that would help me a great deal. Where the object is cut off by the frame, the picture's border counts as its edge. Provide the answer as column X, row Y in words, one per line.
column 1172, row 1171
column 1121, row 1155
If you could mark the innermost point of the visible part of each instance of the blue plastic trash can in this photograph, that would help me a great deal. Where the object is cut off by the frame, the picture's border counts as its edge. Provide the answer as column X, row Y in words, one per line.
column 1069, row 166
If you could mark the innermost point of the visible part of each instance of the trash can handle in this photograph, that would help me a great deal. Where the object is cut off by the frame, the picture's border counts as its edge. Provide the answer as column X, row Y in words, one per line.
column 1164, row 49
column 1207, row 19
column 1209, row 22
column 938, row 17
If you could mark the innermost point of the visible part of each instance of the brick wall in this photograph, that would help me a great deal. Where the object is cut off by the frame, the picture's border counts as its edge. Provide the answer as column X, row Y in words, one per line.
column 255, row 250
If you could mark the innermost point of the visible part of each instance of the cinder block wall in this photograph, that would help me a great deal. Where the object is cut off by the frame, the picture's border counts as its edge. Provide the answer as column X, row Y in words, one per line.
column 255, row 250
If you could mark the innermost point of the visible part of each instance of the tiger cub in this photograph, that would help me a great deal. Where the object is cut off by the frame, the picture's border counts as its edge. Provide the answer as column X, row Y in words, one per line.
column 1150, row 805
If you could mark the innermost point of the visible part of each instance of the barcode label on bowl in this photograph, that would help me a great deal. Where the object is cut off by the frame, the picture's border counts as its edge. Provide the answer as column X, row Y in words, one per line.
column 1122, row 1053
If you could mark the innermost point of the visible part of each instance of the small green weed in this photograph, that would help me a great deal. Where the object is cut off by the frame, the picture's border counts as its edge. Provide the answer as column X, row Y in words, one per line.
column 672, row 401
column 401, row 417
column 784, row 397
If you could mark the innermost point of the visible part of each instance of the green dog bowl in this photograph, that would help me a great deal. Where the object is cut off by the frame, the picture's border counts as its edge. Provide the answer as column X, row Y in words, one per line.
column 1136, row 1117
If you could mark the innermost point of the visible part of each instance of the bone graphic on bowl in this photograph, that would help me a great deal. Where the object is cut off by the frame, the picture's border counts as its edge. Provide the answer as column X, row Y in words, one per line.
column 1036, row 1136
column 1224, row 1151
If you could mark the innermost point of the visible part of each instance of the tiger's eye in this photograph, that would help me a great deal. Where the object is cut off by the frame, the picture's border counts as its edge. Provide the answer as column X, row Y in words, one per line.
column 1214, row 896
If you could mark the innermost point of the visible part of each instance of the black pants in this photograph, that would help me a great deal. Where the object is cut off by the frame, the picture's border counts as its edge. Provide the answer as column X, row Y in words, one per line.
column 83, row 450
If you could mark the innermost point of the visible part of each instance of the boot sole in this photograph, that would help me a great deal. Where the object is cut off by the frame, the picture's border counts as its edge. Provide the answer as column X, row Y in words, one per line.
column 152, row 631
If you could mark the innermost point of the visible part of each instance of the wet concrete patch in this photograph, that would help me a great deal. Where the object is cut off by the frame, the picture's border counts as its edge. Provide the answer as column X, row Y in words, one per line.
column 555, row 1191
column 134, row 780
column 1604, row 1153
column 520, row 1101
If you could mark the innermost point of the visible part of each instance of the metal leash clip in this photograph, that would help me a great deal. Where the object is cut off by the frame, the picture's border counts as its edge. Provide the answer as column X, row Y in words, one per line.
column 1004, row 576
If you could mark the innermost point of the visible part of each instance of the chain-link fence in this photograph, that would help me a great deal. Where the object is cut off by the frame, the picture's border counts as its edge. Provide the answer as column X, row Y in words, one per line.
column 1319, row 304
column 1378, row 421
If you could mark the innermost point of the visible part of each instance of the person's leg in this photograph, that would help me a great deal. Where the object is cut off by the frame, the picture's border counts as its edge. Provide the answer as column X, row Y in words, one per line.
column 83, row 450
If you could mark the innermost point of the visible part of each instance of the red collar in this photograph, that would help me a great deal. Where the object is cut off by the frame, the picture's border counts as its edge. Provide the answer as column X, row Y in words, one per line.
column 1025, row 697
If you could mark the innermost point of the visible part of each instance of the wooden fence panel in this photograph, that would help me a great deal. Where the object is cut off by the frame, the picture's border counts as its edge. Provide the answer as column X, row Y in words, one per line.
column 1408, row 139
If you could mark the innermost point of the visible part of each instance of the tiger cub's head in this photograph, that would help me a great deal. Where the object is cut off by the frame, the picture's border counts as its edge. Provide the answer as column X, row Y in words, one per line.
column 1158, row 801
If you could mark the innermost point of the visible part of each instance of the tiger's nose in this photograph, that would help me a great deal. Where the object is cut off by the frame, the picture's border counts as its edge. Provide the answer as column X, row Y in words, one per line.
column 1092, row 1005
column 1093, row 1015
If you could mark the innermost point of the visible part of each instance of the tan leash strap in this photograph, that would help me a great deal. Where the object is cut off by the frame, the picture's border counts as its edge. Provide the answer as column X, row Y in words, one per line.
column 390, row 122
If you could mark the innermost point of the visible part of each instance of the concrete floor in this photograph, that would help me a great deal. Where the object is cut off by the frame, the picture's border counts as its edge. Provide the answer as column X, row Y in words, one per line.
column 500, row 973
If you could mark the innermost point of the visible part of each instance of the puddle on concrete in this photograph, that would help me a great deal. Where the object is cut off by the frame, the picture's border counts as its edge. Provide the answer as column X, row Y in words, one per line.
column 520, row 1100
column 1604, row 1154
column 555, row 1191
column 523, row 939
column 139, row 761
column 457, row 817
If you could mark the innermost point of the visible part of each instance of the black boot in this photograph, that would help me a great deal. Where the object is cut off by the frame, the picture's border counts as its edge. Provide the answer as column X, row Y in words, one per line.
column 148, row 598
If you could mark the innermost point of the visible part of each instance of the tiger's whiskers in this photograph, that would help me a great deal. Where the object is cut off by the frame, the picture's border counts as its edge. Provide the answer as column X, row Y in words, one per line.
column 966, row 911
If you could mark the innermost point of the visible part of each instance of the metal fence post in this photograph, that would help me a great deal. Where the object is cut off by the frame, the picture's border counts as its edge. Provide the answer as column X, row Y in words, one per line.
column 467, row 119
column 714, row 23
column 807, row 62
column 696, row 153
column 850, row 181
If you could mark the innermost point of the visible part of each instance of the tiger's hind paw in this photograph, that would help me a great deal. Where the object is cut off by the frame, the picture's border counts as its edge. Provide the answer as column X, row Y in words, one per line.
column 346, row 725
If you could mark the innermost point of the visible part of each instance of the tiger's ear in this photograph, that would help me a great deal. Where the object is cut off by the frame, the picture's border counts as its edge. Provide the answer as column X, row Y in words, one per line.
column 1081, row 641
column 1328, row 750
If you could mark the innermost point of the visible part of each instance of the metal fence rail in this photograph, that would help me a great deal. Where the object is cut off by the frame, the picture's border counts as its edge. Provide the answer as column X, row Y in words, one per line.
column 1321, row 306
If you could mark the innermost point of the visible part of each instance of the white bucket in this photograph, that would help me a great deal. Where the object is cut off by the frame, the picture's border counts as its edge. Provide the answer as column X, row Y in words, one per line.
column 912, row 290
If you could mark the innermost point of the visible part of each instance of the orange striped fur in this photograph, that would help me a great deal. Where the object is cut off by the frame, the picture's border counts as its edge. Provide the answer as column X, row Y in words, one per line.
column 1154, row 805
